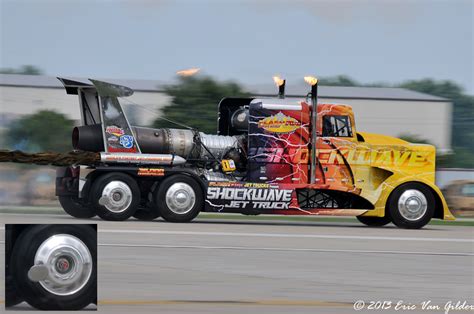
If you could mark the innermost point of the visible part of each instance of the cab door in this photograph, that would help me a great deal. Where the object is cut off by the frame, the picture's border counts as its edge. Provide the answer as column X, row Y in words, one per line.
column 345, row 161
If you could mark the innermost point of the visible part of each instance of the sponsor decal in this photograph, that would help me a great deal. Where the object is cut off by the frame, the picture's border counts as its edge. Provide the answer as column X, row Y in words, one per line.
column 249, row 198
column 136, row 158
column 279, row 123
column 151, row 172
column 113, row 139
column 115, row 130
column 126, row 141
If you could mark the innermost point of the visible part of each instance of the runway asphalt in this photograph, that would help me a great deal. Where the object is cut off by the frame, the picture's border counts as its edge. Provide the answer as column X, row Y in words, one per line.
column 213, row 266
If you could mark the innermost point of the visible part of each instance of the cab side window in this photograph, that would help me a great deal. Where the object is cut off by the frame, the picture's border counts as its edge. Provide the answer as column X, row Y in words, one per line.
column 337, row 126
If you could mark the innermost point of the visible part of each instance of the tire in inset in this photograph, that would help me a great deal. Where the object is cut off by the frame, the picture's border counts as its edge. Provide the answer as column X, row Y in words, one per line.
column 73, row 294
column 12, row 296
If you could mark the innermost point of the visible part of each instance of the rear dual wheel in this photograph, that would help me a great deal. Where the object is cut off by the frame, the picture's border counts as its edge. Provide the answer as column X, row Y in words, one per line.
column 179, row 198
column 147, row 213
column 115, row 196
column 76, row 207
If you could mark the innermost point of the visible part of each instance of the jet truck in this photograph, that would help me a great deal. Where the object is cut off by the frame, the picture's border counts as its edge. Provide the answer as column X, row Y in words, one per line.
column 269, row 156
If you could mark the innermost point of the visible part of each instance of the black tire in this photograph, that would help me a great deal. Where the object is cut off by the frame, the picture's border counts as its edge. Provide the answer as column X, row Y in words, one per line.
column 396, row 213
column 374, row 221
column 96, row 193
column 76, row 208
column 12, row 296
column 167, row 213
column 23, row 258
column 148, row 213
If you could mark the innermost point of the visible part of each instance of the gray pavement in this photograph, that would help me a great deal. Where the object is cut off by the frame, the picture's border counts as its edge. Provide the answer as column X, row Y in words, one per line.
column 212, row 266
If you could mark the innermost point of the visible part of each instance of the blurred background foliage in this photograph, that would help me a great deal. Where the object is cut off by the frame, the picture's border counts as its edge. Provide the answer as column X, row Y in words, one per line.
column 25, row 69
column 45, row 130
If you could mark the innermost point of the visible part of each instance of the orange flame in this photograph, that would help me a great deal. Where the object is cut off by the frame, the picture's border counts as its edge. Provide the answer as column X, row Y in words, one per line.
column 278, row 80
column 311, row 80
column 188, row 72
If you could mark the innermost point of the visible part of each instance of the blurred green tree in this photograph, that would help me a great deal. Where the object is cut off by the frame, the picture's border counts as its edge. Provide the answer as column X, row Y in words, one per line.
column 194, row 102
column 25, row 69
column 45, row 130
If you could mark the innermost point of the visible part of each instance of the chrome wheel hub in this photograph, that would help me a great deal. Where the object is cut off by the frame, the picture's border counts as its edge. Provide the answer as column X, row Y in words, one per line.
column 68, row 262
column 180, row 198
column 116, row 196
column 412, row 205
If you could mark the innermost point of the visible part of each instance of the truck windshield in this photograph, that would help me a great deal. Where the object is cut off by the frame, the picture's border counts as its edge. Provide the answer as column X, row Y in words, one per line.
column 337, row 126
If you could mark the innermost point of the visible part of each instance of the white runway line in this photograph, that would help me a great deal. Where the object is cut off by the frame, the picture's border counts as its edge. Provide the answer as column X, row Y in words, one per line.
column 288, row 235
column 285, row 235
column 280, row 249
column 243, row 248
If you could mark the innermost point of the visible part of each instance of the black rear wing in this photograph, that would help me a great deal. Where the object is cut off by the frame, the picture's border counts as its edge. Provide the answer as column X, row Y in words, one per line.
column 99, row 104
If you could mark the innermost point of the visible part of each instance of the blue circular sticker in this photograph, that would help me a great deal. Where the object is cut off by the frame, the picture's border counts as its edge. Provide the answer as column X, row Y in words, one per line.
column 126, row 141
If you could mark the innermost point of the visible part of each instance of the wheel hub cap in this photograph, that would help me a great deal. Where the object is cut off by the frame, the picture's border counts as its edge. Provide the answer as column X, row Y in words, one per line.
column 180, row 198
column 412, row 205
column 63, row 265
column 116, row 196
column 68, row 262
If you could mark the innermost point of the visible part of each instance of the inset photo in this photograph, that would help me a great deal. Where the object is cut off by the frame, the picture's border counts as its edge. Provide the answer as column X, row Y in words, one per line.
column 51, row 266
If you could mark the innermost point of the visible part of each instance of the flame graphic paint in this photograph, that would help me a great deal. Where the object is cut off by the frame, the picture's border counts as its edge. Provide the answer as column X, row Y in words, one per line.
column 278, row 145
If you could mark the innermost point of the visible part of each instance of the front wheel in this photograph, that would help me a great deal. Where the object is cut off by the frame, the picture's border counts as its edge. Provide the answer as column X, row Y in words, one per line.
column 179, row 198
column 411, row 205
column 54, row 267
column 374, row 221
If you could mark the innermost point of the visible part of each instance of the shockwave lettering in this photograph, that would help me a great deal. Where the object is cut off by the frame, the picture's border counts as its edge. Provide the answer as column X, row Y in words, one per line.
column 253, row 198
column 389, row 157
column 378, row 157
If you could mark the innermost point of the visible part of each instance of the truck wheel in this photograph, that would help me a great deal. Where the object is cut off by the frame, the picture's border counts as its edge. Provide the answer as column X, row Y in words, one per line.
column 411, row 205
column 75, row 208
column 179, row 198
column 69, row 253
column 147, row 213
column 115, row 196
column 374, row 221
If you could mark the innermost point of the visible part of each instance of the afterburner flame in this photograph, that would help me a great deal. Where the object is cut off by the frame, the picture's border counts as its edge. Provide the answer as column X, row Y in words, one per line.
column 278, row 80
column 188, row 72
column 311, row 80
